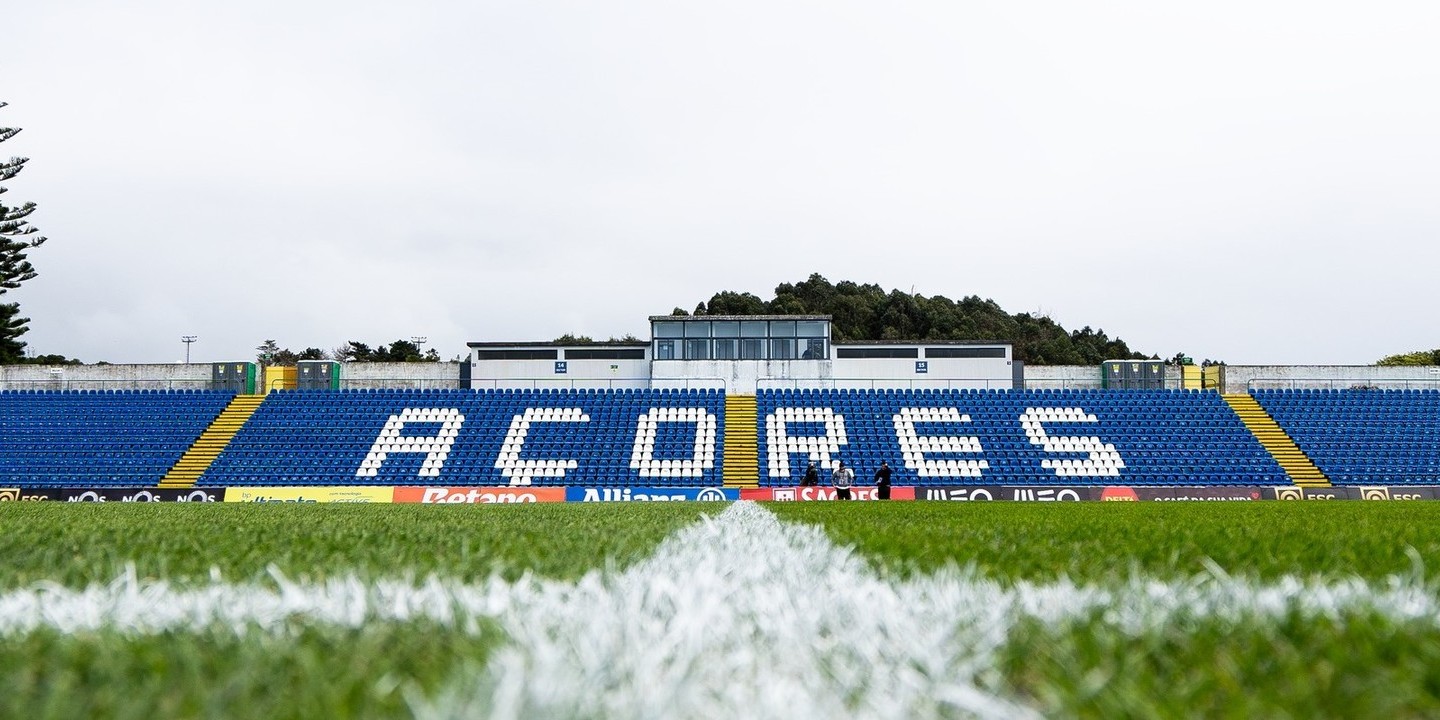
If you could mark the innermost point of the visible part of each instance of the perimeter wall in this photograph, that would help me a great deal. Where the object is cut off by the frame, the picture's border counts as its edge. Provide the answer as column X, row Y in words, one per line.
column 178, row 376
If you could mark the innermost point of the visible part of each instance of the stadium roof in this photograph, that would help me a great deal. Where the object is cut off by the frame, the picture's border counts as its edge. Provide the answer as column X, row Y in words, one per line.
column 663, row 318
column 552, row 343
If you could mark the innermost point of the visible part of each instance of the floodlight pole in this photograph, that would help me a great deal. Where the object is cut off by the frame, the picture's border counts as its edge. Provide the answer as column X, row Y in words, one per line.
column 419, row 341
column 188, row 340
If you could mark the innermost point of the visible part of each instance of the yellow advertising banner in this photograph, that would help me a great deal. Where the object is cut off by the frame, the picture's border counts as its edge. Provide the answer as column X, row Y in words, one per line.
column 310, row 494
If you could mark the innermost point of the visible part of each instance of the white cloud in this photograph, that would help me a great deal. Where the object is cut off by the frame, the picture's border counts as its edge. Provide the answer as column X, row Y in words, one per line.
column 1246, row 181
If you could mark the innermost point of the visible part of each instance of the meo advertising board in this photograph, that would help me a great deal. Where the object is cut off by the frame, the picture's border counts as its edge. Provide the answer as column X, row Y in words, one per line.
column 1009, row 493
column 310, row 494
column 650, row 494
column 478, row 495
column 983, row 493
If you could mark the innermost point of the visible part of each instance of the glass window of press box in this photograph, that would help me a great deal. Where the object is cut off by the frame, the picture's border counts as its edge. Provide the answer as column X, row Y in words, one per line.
column 686, row 339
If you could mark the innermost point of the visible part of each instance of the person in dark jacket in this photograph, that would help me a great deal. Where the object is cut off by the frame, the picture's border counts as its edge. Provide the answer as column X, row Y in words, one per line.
column 812, row 476
column 842, row 478
column 882, row 481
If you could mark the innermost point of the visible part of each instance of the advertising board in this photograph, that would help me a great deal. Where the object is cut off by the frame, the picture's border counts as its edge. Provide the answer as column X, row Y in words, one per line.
column 1180, row 494
column 310, row 494
column 650, row 494
column 478, row 495
column 1358, row 492
column 110, row 494
column 802, row 494
column 1008, row 493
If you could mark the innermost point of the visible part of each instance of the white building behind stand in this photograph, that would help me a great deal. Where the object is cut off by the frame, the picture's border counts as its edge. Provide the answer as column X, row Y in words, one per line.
column 742, row 354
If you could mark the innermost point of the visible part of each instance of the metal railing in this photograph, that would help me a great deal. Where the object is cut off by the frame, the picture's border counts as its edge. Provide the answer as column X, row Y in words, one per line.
column 1088, row 384
column 1063, row 384
column 883, row 384
column 1342, row 384
column 695, row 383
column 114, row 384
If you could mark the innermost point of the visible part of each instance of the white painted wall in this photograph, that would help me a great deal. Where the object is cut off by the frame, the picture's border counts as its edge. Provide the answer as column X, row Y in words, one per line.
column 158, row 376
column 1080, row 377
column 416, row 375
column 1062, row 377
column 486, row 374
column 899, row 373
column 740, row 376
column 1239, row 378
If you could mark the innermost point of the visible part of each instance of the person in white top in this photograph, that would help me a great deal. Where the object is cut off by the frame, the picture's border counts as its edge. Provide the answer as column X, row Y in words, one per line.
column 842, row 479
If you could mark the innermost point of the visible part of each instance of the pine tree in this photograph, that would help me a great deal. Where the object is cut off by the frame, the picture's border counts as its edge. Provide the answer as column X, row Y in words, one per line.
column 17, row 237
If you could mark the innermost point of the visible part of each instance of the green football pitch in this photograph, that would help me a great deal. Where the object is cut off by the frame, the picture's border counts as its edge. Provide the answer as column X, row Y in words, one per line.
column 695, row 609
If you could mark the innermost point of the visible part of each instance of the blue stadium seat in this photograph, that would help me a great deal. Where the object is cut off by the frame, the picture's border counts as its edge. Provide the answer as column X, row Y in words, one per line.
column 1363, row 437
column 99, row 438
column 336, row 438
column 1043, row 437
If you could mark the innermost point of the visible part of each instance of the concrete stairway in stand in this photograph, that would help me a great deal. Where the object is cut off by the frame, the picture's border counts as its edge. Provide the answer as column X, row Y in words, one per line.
column 742, row 449
column 211, row 443
column 1292, row 459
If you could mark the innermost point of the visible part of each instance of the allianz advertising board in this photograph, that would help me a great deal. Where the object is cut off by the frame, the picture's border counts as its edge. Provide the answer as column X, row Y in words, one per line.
column 650, row 494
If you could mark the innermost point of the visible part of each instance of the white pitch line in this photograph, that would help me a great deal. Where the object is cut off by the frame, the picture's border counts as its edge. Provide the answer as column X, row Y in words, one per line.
column 739, row 615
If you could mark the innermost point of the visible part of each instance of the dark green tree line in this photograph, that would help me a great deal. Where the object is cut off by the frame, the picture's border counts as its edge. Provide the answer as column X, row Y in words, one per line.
column 17, row 237
column 270, row 353
column 1419, row 357
column 398, row 351
column 867, row 312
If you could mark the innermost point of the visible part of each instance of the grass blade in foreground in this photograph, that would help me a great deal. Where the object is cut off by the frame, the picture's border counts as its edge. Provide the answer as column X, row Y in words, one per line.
column 1101, row 542
column 740, row 615
column 78, row 543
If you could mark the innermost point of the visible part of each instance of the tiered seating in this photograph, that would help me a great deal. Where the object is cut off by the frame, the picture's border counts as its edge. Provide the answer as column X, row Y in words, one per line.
column 491, row 437
column 99, row 438
column 1363, row 437
column 1045, row 437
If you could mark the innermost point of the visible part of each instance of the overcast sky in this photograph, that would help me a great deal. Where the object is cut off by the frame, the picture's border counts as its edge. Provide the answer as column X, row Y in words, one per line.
column 1256, row 182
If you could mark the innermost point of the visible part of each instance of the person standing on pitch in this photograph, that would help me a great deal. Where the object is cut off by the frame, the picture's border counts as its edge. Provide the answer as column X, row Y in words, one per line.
column 812, row 476
column 842, row 479
column 882, row 481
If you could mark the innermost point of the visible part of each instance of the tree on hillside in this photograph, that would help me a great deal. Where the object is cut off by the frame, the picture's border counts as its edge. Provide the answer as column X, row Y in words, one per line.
column 17, row 237
column 573, row 339
column 270, row 353
column 398, row 351
column 867, row 312
column 1419, row 357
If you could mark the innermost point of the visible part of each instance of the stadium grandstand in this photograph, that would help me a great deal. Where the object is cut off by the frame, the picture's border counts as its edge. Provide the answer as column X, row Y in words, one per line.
column 720, row 402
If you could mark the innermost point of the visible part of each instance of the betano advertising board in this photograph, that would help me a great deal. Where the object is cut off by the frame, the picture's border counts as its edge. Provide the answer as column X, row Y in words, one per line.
column 478, row 495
